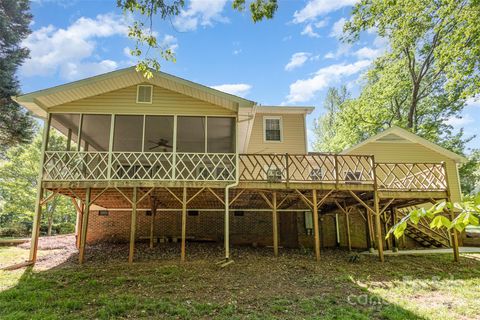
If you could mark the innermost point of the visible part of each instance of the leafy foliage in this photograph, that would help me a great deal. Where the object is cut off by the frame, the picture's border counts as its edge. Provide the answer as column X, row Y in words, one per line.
column 430, row 67
column 467, row 213
column 18, row 189
column 141, row 29
column 16, row 125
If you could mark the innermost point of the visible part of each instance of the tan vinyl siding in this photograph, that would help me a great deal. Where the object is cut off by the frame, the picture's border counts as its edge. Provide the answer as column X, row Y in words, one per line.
column 404, row 152
column 124, row 101
column 293, row 140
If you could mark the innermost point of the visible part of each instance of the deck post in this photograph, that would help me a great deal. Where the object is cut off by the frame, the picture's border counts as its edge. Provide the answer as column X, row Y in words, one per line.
column 376, row 204
column 368, row 225
column 378, row 227
column 184, row 223
column 78, row 226
column 315, row 225
column 275, row 224
column 393, row 213
column 226, row 236
column 454, row 235
column 83, row 236
column 133, row 226
column 38, row 202
column 347, row 224
column 385, row 227
column 36, row 225
column 154, row 207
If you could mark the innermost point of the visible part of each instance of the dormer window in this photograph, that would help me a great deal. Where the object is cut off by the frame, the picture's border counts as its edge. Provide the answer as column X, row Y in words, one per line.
column 272, row 127
column 144, row 93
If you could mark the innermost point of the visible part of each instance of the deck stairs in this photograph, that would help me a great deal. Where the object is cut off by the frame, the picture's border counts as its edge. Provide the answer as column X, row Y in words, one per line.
column 423, row 234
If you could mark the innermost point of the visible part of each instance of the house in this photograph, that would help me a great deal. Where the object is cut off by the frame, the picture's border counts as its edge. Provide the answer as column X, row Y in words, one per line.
column 166, row 159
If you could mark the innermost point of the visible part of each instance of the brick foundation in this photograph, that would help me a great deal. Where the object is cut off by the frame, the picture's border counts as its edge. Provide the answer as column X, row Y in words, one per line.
column 252, row 228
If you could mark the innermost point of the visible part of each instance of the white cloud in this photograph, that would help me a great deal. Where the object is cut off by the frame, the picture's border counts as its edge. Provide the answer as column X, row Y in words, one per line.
column 169, row 42
column 315, row 8
column 460, row 121
column 297, row 60
column 308, row 31
column 329, row 55
column 67, row 50
column 367, row 53
column 237, row 51
column 337, row 29
column 473, row 102
column 305, row 90
column 238, row 89
column 200, row 12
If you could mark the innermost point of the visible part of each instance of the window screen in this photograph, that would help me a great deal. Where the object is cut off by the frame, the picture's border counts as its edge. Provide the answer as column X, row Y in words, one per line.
column 191, row 134
column 220, row 135
column 273, row 129
column 144, row 94
column 158, row 134
column 128, row 133
column 95, row 134
column 62, row 126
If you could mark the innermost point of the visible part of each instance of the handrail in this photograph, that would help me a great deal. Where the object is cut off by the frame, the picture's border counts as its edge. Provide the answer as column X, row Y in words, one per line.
column 271, row 168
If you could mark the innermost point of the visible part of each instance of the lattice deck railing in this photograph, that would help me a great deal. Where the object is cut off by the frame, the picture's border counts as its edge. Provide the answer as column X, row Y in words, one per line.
column 273, row 168
column 411, row 176
column 163, row 166
column 318, row 168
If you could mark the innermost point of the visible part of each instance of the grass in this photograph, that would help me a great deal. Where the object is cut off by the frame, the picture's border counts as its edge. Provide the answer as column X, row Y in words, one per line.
column 256, row 286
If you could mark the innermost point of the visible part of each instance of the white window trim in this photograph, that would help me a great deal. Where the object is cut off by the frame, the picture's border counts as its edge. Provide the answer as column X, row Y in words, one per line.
column 151, row 93
column 265, row 118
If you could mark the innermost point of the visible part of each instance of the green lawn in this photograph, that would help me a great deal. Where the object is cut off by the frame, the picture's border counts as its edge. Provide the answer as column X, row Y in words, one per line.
column 256, row 286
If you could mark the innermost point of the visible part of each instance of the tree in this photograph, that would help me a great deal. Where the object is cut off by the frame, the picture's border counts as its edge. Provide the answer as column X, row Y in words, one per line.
column 470, row 173
column 325, row 128
column 16, row 125
column 18, row 188
column 429, row 69
column 434, row 54
column 145, row 11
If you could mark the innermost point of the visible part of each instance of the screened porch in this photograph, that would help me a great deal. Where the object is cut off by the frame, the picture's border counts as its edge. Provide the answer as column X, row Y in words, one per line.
column 83, row 147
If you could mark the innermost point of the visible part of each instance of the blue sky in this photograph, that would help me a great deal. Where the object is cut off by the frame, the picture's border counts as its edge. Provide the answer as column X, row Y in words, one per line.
column 290, row 60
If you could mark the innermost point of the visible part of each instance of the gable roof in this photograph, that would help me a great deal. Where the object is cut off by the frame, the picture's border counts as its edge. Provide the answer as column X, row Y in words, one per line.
column 39, row 101
column 396, row 133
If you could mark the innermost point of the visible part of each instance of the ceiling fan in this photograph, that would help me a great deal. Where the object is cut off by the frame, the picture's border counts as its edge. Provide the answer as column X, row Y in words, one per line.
column 160, row 143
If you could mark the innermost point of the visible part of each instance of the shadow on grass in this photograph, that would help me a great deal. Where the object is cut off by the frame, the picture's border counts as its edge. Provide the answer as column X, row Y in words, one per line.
column 256, row 286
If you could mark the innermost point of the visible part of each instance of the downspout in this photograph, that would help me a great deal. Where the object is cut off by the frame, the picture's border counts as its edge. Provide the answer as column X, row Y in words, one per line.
column 227, row 199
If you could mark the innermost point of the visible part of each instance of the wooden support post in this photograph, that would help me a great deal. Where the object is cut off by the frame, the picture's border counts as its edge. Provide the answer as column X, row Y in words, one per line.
column 133, row 226
column 36, row 226
column 315, row 225
column 38, row 204
column 378, row 227
column 393, row 214
column 154, row 206
column 385, row 228
column 80, row 208
column 454, row 234
column 347, row 224
column 83, row 235
column 370, row 241
column 275, row 224
column 184, row 223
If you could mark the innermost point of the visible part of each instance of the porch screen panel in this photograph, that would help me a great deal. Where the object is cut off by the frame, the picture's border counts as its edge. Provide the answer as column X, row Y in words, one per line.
column 95, row 134
column 221, row 135
column 128, row 133
column 191, row 134
column 158, row 134
column 63, row 125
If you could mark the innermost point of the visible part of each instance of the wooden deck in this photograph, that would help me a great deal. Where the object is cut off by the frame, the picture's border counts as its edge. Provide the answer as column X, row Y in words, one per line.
column 320, row 183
